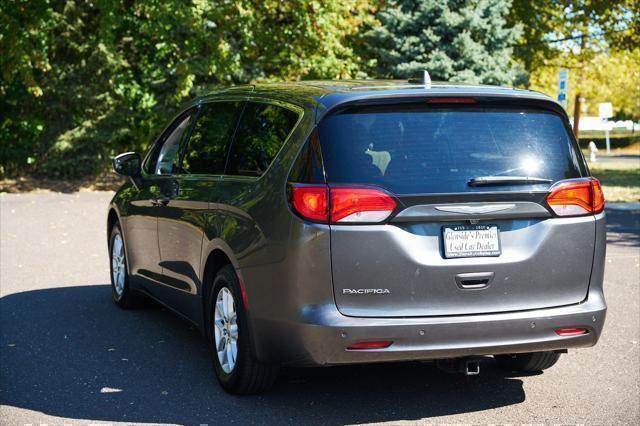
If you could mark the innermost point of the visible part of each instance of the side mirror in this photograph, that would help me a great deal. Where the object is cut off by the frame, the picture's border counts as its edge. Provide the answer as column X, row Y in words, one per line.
column 127, row 164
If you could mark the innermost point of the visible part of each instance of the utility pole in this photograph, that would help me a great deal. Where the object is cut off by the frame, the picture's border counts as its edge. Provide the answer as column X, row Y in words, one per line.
column 576, row 114
column 577, row 103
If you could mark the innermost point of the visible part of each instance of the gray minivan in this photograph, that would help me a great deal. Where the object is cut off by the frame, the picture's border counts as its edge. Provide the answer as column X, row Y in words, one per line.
column 325, row 223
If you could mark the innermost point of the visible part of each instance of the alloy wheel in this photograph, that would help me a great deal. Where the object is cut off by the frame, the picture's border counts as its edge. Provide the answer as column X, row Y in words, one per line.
column 118, row 265
column 226, row 330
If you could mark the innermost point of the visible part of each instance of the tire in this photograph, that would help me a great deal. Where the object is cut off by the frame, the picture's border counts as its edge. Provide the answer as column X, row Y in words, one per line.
column 242, row 374
column 121, row 291
column 527, row 362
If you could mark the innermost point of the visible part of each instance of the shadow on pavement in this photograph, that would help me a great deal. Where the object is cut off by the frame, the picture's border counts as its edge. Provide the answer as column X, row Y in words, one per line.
column 71, row 352
column 623, row 228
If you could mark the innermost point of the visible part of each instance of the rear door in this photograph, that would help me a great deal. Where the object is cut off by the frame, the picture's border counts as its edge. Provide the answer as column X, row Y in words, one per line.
column 471, row 233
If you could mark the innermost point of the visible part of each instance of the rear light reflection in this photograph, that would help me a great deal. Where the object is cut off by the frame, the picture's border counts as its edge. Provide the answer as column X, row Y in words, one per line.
column 576, row 197
column 571, row 331
column 370, row 345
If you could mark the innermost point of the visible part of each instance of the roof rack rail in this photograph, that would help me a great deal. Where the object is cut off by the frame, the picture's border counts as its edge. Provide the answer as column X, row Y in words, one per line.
column 423, row 79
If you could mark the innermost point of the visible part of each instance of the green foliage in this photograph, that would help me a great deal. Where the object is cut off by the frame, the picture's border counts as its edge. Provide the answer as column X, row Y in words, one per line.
column 609, row 76
column 571, row 33
column 538, row 20
column 455, row 40
column 301, row 38
column 83, row 80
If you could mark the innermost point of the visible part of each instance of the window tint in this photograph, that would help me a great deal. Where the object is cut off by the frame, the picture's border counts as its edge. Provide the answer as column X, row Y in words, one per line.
column 167, row 152
column 261, row 132
column 414, row 150
column 308, row 166
column 206, row 151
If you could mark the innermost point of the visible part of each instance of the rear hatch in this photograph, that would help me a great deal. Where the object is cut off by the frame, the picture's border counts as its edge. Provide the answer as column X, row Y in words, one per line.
column 471, row 231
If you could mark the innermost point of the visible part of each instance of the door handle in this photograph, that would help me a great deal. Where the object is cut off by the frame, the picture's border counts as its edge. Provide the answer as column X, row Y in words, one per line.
column 474, row 280
column 160, row 202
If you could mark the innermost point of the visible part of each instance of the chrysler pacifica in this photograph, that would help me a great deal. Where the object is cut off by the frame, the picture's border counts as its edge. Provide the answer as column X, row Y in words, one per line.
column 328, row 223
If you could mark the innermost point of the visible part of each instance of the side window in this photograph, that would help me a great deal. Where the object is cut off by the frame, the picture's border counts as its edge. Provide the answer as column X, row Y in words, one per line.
column 169, row 155
column 262, row 130
column 207, row 150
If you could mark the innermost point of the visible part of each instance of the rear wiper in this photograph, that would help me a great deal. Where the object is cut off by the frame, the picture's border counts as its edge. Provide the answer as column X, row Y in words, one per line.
column 506, row 180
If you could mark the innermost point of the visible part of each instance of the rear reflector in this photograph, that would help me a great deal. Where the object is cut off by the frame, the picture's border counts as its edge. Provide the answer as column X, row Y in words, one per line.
column 319, row 203
column 571, row 331
column 576, row 197
column 370, row 345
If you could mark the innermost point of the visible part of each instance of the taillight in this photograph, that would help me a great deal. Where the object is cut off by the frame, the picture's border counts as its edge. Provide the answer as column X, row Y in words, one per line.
column 360, row 205
column 598, row 196
column 320, row 203
column 311, row 201
column 576, row 197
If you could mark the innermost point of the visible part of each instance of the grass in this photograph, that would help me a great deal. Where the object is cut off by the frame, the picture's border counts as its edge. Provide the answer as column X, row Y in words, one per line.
column 619, row 184
column 617, row 133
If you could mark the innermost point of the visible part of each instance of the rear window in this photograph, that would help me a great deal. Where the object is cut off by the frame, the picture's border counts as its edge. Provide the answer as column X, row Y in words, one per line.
column 418, row 150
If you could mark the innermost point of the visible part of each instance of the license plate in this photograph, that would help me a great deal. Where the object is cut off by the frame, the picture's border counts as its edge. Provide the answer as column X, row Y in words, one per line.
column 471, row 241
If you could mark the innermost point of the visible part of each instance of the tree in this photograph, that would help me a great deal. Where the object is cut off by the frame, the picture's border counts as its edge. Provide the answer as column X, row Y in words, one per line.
column 82, row 80
column 610, row 76
column 301, row 39
column 538, row 19
column 571, row 34
column 455, row 40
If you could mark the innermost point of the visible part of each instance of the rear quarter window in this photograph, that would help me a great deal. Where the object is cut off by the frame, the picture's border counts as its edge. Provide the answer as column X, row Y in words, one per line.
column 261, row 132
column 206, row 151
column 420, row 150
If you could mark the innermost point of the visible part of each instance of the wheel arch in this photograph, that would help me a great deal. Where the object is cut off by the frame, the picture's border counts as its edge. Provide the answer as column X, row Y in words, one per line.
column 216, row 259
column 112, row 219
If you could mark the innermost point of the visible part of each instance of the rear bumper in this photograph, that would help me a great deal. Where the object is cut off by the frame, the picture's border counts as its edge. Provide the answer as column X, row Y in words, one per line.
column 323, row 334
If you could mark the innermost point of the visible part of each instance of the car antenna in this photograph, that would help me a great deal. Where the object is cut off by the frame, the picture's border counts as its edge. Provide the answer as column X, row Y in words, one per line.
column 423, row 79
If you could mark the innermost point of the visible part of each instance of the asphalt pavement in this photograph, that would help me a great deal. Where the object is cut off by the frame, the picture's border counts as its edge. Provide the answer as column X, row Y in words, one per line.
column 68, row 355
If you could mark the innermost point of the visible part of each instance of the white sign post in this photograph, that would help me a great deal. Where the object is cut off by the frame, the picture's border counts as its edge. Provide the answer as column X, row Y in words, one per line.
column 563, row 83
column 606, row 111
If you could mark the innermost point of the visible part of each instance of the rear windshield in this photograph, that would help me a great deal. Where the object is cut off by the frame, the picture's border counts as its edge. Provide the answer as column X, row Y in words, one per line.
column 418, row 150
